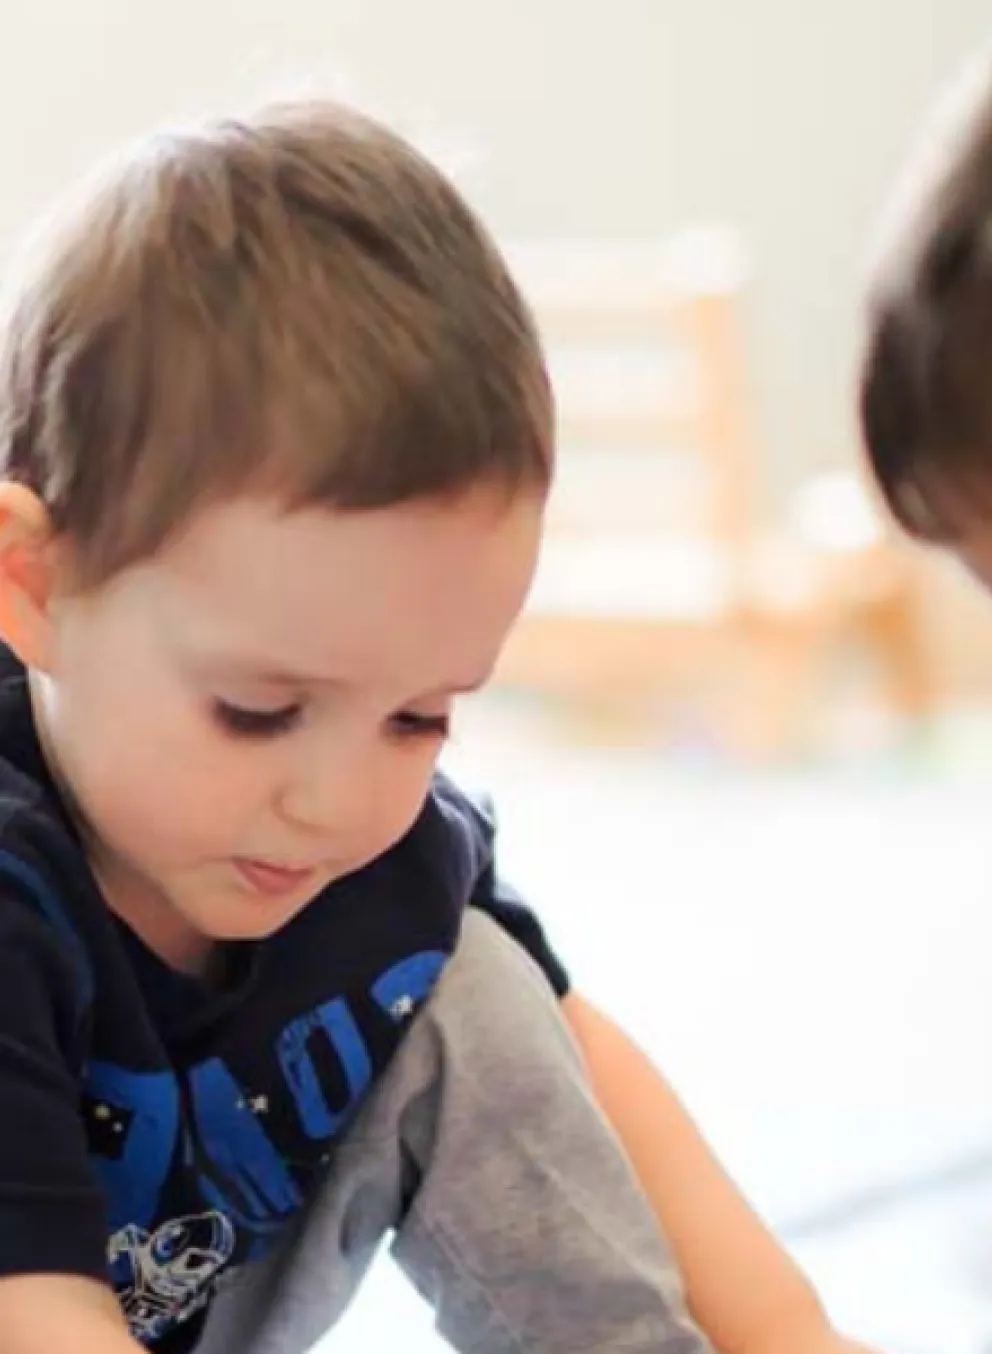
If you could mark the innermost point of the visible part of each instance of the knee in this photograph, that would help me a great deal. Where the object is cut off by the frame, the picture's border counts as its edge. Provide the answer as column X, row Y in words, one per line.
column 494, row 1003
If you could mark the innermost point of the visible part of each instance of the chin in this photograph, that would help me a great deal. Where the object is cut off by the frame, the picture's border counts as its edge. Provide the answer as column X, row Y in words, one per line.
column 255, row 930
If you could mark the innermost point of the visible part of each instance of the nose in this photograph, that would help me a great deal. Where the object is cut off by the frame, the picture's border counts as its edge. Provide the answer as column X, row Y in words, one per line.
column 331, row 792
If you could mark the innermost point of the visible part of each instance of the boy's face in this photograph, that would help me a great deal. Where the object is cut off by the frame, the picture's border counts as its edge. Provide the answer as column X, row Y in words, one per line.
column 258, row 710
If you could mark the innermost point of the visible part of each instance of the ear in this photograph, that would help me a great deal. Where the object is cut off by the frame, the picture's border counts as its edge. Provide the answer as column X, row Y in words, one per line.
column 27, row 575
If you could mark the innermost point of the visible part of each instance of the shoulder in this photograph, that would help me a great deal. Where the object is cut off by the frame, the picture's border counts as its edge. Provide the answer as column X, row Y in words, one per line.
column 26, row 787
column 42, row 864
column 47, row 983
column 454, row 834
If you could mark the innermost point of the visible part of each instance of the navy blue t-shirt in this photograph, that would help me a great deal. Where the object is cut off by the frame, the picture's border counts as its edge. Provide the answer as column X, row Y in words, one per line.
column 159, row 1131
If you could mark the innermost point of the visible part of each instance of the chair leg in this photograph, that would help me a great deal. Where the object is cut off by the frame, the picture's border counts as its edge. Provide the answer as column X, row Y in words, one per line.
column 769, row 710
column 896, row 627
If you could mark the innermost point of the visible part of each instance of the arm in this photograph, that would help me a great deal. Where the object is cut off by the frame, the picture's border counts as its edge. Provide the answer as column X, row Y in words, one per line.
column 42, row 1314
column 53, row 1228
column 742, row 1288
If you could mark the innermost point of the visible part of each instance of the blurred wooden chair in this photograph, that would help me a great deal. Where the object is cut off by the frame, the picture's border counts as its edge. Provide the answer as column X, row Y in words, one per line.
column 832, row 580
column 657, row 589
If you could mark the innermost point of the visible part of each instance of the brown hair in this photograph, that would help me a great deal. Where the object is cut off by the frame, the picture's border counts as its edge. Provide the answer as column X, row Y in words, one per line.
column 926, row 382
column 295, row 303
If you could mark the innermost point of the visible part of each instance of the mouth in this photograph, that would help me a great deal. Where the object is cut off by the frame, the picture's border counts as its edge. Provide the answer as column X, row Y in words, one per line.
column 273, row 881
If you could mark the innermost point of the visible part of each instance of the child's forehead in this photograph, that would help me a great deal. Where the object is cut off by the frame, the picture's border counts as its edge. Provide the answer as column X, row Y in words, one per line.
column 254, row 534
column 326, row 597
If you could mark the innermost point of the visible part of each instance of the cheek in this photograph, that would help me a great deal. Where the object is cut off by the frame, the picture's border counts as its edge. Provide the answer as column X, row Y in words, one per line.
column 402, row 791
column 152, row 777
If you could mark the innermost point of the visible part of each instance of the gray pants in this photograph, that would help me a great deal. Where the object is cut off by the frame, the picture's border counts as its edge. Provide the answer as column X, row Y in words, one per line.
column 512, row 1206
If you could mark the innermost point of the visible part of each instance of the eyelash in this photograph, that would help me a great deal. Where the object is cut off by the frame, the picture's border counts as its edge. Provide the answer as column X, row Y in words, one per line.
column 244, row 723
column 263, row 724
column 421, row 726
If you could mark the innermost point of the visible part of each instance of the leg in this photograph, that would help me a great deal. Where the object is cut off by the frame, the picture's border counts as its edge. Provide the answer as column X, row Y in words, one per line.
column 514, row 1209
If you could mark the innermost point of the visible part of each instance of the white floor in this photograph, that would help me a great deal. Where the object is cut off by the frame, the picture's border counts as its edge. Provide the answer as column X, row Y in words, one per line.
column 809, row 957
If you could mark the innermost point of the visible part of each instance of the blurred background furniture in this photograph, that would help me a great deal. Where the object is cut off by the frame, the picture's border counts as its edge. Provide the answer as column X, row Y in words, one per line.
column 664, row 585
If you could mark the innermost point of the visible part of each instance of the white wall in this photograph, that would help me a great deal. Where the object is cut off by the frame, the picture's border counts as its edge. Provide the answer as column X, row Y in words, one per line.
column 618, row 118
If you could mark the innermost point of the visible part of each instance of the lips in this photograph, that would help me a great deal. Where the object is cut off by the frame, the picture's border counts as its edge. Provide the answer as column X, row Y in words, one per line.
column 273, row 881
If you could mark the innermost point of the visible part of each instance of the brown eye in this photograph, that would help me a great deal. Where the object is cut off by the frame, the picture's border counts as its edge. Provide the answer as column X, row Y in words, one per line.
column 244, row 723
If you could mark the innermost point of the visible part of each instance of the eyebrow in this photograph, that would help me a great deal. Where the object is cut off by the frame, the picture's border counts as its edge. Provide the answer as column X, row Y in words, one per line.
column 267, row 676
column 467, row 688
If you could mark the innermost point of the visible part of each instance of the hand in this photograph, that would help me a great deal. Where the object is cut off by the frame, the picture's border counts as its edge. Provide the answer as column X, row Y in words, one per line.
column 42, row 1313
